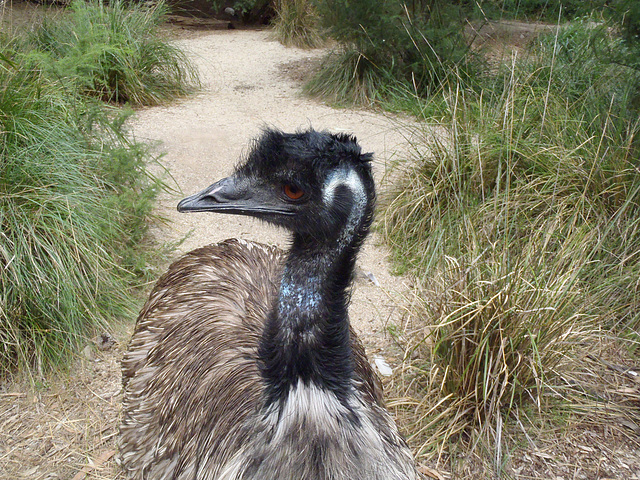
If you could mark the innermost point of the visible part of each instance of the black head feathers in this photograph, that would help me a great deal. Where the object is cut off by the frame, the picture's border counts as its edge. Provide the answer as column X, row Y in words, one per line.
column 308, row 182
column 309, row 152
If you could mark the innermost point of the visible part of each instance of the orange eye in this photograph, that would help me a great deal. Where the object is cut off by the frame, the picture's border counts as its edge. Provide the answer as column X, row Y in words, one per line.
column 293, row 192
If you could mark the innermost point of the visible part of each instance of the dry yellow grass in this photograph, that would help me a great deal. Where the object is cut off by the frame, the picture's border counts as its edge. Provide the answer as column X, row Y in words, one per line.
column 64, row 427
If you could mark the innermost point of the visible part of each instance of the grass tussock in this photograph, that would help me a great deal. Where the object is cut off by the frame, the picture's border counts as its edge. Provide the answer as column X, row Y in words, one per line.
column 113, row 52
column 347, row 77
column 297, row 24
column 75, row 199
column 518, row 216
column 387, row 46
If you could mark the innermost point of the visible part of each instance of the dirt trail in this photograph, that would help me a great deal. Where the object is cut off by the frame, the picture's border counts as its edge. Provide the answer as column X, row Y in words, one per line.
column 245, row 89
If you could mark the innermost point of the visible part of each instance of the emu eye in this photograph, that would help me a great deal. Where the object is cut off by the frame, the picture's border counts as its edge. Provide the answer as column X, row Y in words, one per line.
column 292, row 192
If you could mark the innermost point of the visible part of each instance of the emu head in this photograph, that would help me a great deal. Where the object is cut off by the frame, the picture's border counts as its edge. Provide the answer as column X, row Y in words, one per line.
column 315, row 184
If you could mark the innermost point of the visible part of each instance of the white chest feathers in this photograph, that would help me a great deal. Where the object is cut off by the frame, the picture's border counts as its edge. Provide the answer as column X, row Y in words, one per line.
column 313, row 436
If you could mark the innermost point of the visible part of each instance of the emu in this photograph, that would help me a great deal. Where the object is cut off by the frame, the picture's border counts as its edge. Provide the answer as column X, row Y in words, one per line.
column 243, row 364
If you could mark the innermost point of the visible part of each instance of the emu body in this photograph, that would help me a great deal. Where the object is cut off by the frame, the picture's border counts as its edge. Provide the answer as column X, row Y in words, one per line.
column 243, row 364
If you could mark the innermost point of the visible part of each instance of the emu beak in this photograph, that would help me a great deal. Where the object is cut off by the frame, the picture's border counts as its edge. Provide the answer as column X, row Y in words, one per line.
column 220, row 196
column 239, row 197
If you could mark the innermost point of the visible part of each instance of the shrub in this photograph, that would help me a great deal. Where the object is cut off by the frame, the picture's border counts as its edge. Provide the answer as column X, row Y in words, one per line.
column 417, row 47
column 625, row 15
column 544, row 9
column 111, row 51
column 74, row 196
column 518, row 216
column 585, row 64
column 296, row 24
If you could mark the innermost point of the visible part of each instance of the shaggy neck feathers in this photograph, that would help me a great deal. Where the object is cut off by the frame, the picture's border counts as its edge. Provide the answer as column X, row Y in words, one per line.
column 306, row 338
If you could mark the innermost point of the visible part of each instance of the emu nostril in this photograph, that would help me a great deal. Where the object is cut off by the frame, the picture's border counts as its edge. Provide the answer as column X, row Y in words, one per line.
column 226, row 190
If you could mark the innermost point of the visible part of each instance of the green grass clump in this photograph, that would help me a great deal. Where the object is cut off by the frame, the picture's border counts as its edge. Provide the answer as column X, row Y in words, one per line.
column 389, row 45
column 113, row 52
column 518, row 216
column 587, row 65
column 539, row 9
column 297, row 24
column 347, row 77
column 74, row 197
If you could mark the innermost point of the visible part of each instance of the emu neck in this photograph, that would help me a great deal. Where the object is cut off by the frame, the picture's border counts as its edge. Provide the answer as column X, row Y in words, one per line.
column 307, row 335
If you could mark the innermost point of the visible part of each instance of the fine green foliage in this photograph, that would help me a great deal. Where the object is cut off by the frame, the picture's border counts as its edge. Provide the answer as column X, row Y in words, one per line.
column 74, row 198
column 588, row 66
column 626, row 15
column 297, row 24
column 518, row 215
column 387, row 45
column 347, row 77
column 112, row 52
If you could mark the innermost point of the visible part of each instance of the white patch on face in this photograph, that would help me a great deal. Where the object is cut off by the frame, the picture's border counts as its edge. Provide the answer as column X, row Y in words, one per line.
column 348, row 178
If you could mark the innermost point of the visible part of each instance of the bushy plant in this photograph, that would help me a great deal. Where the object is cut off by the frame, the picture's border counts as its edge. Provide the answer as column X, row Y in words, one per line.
column 586, row 64
column 518, row 216
column 625, row 15
column 550, row 10
column 74, row 197
column 418, row 47
column 297, row 23
column 112, row 51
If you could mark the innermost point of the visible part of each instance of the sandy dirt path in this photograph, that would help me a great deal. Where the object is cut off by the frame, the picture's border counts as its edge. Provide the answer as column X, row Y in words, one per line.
column 202, row 137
